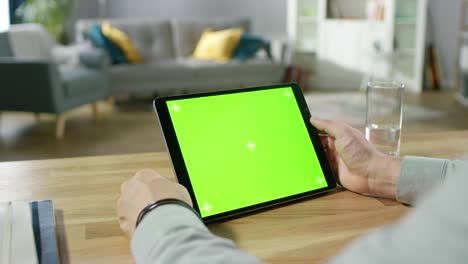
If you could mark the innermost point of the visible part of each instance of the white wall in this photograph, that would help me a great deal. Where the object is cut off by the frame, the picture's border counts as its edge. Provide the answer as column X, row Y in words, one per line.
column 81, row 9
column 268, row 16
column 4, row 15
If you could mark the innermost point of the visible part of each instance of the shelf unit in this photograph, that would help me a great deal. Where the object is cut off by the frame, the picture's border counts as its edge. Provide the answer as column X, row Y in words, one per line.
column 405, row 21
column 390, row 47
column 463, row 36
column 307, row 20
column 303, row 21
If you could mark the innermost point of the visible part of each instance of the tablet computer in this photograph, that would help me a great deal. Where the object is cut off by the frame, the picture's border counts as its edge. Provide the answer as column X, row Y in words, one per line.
column 244, row 150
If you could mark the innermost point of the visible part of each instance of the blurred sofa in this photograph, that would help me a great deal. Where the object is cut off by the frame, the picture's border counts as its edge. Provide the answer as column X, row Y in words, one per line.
column 166, row 48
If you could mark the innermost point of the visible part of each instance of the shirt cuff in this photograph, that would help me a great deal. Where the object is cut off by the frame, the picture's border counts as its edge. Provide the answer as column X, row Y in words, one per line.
column 157, row 223
column 418, row 176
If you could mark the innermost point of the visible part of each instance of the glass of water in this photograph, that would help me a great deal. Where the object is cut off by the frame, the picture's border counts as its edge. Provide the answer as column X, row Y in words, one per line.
column 384, row 115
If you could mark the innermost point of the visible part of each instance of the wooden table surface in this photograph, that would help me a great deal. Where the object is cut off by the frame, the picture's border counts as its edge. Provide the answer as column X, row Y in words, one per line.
column 85, row 190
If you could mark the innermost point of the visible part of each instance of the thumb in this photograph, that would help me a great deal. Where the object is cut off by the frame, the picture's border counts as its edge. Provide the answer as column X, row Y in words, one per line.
column 330, row 127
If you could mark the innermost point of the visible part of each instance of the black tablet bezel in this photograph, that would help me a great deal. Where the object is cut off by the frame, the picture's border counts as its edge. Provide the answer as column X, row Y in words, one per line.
column 180, row 169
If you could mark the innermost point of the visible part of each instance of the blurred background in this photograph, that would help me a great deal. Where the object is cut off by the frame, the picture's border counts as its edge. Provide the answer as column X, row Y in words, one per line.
column 77, row 78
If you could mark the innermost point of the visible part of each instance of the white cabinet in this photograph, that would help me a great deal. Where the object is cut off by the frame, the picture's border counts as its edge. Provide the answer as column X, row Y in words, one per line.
column 303, row 24
column 387, row 44
column 409, row 21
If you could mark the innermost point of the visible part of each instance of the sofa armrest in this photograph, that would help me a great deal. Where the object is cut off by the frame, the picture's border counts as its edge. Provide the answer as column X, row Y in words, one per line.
column 95, row 58
column 30, row 85
column 281, row 50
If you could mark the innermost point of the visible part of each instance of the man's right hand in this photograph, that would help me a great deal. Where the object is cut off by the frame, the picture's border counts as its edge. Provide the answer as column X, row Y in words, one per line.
column 358, row 166
column 146, row 187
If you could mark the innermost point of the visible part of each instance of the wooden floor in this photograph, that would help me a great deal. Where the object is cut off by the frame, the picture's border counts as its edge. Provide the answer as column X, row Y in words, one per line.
column 134, row 128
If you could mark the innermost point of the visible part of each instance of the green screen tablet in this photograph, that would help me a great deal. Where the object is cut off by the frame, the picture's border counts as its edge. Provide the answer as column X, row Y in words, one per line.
column 242, row 150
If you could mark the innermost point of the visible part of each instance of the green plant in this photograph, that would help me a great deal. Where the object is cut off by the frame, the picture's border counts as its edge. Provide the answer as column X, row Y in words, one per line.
column 52, row 14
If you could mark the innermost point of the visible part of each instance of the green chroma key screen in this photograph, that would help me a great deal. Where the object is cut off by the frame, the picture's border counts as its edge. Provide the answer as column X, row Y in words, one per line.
column 245, row 148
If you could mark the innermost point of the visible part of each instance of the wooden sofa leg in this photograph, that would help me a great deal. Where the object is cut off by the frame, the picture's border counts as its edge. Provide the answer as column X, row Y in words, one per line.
column 97, row 116
column 60, row 126
column 111, row 100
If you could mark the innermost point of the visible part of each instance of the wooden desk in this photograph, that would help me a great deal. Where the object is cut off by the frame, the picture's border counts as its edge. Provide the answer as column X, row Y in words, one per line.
column 85, row 190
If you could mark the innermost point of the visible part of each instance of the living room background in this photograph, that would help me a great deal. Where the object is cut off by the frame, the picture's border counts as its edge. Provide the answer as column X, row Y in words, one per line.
column 269, row 19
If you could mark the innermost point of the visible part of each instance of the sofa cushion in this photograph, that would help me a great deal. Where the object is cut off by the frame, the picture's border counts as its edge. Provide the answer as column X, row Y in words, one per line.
column 187, row 33
column 101, row 41
column 217, row 45
column 239, row 70
column 186, row 75
column 191, row 70
column 79, row 81
column 152, row 38
column 151, row 71
column 248, row 46
column 70, row 55
column 121, row 39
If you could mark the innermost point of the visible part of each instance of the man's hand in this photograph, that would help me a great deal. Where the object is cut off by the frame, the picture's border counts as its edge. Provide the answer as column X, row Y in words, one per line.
column 358, row 166
column 145, row 187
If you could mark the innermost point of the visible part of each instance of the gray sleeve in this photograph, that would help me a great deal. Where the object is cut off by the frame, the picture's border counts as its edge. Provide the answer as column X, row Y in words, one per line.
column 174, row 234
column 434, row 232
column 418, row 176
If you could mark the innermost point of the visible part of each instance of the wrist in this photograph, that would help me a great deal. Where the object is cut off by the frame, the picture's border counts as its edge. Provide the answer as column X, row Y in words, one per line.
column 383, row 176
column 150, row 207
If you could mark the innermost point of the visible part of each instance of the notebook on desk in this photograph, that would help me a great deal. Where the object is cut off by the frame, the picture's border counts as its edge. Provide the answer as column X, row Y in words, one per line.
column 27, row 232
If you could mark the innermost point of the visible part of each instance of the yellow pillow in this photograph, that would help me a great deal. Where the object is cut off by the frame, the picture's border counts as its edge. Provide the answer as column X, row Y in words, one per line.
column 121, row 39
column 217, row 45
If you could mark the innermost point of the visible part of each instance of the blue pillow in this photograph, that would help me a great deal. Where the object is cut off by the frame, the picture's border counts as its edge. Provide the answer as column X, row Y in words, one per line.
column 247, row 47
column 99, row 40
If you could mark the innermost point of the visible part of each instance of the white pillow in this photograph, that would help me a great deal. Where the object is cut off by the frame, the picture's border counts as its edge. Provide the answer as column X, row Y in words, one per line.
column 68, row 55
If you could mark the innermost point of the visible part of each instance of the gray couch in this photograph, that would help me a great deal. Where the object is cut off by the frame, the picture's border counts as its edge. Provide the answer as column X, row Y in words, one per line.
column 166, row 47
